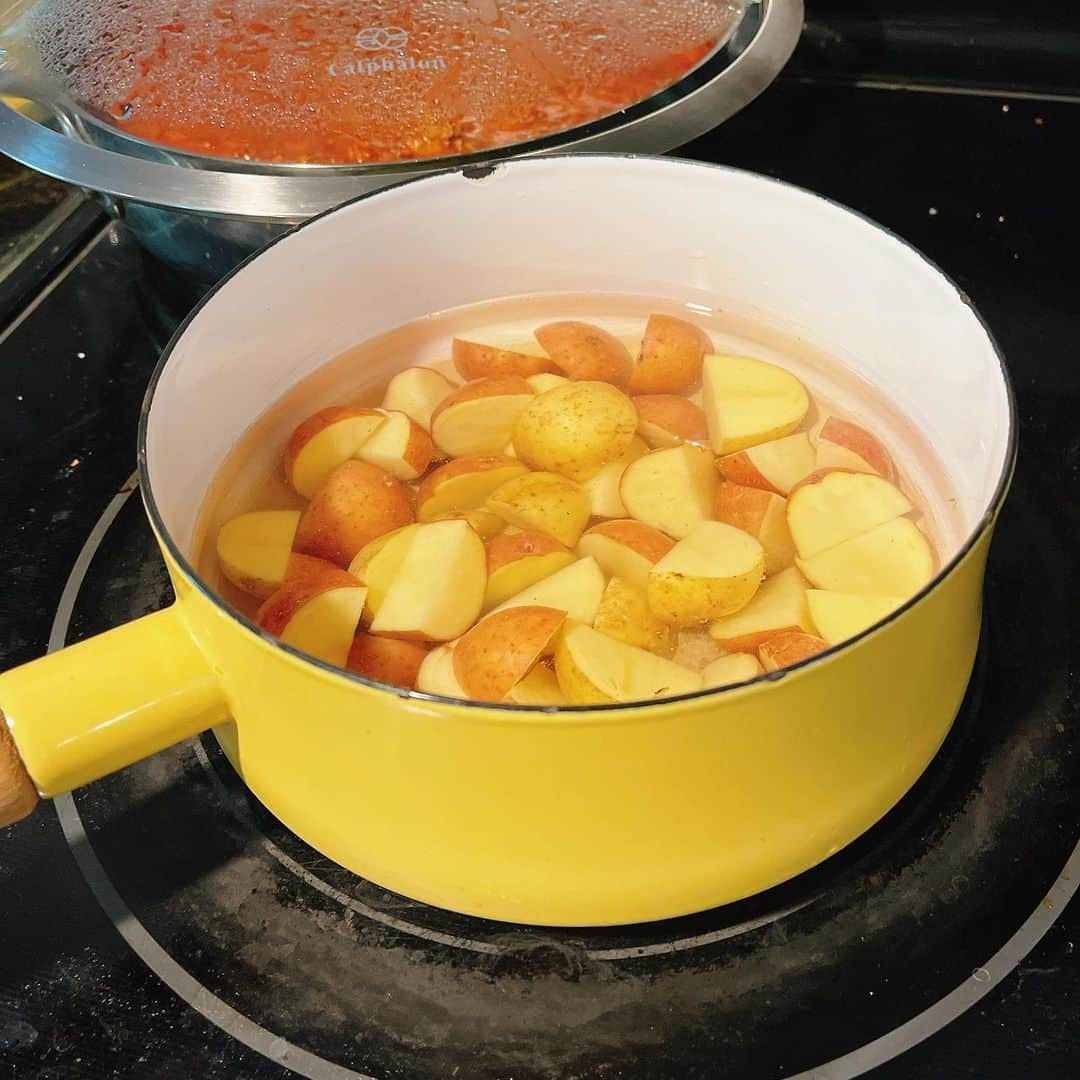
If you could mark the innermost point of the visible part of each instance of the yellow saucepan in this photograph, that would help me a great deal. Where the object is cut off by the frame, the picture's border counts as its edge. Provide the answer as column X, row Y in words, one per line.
column 589, row 815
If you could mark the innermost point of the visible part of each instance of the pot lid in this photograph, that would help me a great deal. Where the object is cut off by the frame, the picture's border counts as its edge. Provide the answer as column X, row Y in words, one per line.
column 359, row 81
column 328, row 98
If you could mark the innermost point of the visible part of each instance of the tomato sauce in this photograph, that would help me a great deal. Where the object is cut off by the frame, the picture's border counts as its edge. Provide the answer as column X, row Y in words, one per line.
column 372, row 81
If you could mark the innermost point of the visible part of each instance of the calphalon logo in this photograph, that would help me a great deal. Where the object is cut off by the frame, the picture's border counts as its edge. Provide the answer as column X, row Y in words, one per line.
column 385, row 39
column 377, row 38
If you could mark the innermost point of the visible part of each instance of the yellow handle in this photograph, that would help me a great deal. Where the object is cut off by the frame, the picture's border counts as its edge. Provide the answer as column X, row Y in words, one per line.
column 95, row 707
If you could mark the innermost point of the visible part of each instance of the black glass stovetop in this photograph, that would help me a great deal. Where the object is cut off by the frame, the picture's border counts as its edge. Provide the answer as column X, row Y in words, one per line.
column 162, row 924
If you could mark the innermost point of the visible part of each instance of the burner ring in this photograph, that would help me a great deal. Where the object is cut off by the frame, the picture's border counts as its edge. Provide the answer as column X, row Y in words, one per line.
column 307, row 1064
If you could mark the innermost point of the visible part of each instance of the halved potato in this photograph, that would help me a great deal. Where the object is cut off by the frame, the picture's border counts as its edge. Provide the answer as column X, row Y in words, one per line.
column 498, row 652
column 479, row 418
column 583, row 351
column 892, row 559
column 779, row 605
column 671, row 490
column 839, row 616
column 594, row 669
column 625, row 615
column 748, row 401
column 828, row 508
column 671, row 354
column 545, row 501
column 625, row 549
column 464, row 484
column 576, row 589
column 253, row 549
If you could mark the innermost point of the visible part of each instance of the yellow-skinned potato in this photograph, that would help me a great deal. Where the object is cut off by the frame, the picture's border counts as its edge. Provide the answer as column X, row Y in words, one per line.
column 625, row 615
column 594, row 669
column 575, row 429
column 713, row 572
column 544, row 501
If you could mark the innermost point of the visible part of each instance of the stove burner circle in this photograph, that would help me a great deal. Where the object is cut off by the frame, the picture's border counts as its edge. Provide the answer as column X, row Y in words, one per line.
column 705, row 963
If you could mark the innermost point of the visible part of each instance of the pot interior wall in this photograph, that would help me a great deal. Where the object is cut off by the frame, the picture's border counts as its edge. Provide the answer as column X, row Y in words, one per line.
column 657, row 227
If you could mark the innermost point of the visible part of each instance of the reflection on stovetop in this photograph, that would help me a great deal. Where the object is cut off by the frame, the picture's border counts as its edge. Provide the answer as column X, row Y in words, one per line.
column 334, row 968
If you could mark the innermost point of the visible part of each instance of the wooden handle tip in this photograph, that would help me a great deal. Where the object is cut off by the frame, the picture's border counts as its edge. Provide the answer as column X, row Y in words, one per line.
column 18, row 796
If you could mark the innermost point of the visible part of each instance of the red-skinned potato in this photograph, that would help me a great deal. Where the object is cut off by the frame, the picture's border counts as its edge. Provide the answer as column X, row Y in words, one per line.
column 841, row 444
column 891, row 559
column 464, row 484
column 417, row 391
column 517, row 560
column 626, row 548
column 830, row 507
column 316, row 610
column 778, row 606
column 672, row 490
column 667, row 420
column 749, row 401
column 763, row 514
column 436, row 674
column 400, row 446
column 436, row 587
column 492, row 657
column 386, row 660
column 789, row 647
column 777, row 465
column 323, row 441
column 583, row 351
column 476, row 361
column 479, row 418
column 253, row 549
column 671, row 354
column 357, row 503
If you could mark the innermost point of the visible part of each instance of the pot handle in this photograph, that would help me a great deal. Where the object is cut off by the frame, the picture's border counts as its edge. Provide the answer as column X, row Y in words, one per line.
column 92, row 708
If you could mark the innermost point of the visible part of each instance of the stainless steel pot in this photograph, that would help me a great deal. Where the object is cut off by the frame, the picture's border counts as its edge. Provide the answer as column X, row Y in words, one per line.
column 203, row 215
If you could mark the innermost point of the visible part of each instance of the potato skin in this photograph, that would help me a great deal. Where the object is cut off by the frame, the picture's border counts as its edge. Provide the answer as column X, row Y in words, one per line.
column 688, row 601
column 575, row 429
column 625, row 616
column 544, row 501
